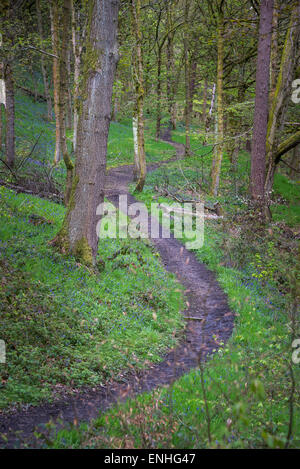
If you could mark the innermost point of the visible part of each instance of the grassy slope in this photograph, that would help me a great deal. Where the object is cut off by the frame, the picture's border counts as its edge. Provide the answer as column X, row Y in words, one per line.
column 30, row 123
column 64, row 327
column 247, row 384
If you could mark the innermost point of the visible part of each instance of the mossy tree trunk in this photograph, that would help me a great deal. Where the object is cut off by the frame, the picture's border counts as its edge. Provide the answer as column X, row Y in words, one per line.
column 216, row 170
column 63, row 94
column 187, row 78
column 139, row 92
column 158, row 92
column 170, row 68
column 78, row 233
column 281, row 95
column 54, row 15
column 77, row 42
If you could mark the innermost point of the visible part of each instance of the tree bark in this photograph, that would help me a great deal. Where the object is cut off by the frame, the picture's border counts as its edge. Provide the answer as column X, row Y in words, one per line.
column 204, row 107
column 186, row 79
column 63, row 94
column 170, row 70
column 78, row 234
column 10, row 115
column 216, row 171
column 281, row 94
column 139, row 91
column 158, row 93
column 54, row 14
column 258, row 151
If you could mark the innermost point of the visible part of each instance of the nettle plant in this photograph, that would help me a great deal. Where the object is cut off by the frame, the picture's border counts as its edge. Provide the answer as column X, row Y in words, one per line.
column 264, row 268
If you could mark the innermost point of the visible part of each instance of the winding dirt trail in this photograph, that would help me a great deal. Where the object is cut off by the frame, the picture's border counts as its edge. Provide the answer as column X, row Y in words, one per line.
column 205, row 300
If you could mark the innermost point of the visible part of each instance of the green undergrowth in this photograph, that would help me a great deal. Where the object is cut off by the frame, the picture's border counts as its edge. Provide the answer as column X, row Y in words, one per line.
column 35, row 144
column 241, row 398
column 244, row 396
column 64, row 327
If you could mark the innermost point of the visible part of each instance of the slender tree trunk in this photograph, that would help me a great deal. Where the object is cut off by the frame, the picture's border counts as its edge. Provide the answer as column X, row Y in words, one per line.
column 63, row 94
column 158, row 93
column 204, row 107
column 69, row 90
column 281, row 94
column 219, row 149
column 77, row 53
column 258, row 151
column 193, row 75
column 136, row 170
column 170, row 69
column 295, row 162
column 78, row 234
column 274, row 51
column 54, row 13
column 139, row 90
column 187, row 79
column 10, row 115
column 43, row 65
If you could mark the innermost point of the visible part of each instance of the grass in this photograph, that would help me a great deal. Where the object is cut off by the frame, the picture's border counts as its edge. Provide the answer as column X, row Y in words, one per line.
column 31, row 123
column 65, row 328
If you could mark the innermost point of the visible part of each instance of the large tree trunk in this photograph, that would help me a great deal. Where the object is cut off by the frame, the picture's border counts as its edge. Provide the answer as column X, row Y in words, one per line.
column 10, row 115
column 78, row 234
column 258, row 151
column 43, row 65
column 139, row 90
column 216, row 171
column 282, row 93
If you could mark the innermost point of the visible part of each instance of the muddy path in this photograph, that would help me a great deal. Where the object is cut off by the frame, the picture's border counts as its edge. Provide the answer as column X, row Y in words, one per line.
column 205, row 301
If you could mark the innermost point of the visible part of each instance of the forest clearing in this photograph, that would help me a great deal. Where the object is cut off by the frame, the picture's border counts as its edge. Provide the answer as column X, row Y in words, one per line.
column 149, row 225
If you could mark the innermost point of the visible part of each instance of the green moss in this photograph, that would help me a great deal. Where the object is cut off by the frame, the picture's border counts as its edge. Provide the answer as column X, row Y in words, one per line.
column 83, row 252
column 61, row 240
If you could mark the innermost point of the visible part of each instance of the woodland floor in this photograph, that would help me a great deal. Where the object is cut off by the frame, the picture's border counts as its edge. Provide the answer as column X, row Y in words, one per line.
column 204, row 299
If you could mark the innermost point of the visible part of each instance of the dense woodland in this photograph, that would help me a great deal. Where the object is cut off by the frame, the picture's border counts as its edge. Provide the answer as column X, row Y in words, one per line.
column 134, row 342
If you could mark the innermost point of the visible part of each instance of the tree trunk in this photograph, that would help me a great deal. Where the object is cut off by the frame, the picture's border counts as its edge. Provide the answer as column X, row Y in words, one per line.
column 139, row 90
column 258, row 150
column 282, row 92
column 78, row 234
column 63, row 94
column 77, row 48
column 274, row 51
column 54, row 14
column 204, row 107
column 186, row 79
column 43, row 65
column 170, row 70
column 158, row 93
column 219, row 150
column 10, row 115
column 136, row 169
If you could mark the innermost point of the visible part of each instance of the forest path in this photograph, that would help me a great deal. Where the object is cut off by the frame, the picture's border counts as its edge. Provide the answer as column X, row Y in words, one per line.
column 205, row 300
